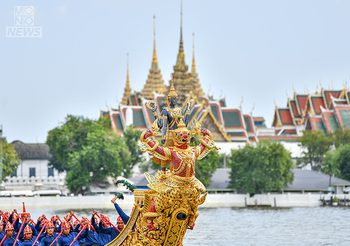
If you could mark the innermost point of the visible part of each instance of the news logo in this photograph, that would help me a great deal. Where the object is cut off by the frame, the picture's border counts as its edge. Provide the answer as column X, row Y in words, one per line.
column 24, row 24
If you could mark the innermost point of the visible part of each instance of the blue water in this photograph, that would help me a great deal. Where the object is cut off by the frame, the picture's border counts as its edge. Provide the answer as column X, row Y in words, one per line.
column 294, row 226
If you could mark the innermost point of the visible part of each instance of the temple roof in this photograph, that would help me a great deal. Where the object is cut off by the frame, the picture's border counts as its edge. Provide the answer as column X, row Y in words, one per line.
column 32, row 151
column 317, row 103
column 328, row 94
column 282, row 117
column 301, row 102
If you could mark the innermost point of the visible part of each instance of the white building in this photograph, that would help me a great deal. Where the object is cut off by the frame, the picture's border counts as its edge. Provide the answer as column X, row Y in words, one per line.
column 34, row 172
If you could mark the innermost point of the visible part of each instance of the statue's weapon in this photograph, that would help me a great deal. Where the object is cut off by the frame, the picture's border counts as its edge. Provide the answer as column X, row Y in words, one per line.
column 152, row 106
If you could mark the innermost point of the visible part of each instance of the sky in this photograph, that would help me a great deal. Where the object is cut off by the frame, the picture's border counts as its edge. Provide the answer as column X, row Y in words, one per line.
column 255, row 53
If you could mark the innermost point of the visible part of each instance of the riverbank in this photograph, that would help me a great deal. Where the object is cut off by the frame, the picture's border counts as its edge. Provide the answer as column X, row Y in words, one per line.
column 224, row 200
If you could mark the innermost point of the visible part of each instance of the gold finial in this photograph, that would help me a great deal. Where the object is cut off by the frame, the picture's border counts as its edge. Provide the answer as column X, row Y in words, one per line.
column 193, row 56
column 127, row 89
column 180, row 62
column 154, row 58
column 181, row 15
column 127, row 69
column 181, row 126
column 172, row 92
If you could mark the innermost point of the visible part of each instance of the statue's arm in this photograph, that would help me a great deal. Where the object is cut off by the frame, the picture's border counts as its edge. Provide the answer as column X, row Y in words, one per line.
column 151, row 145
column 207, row 144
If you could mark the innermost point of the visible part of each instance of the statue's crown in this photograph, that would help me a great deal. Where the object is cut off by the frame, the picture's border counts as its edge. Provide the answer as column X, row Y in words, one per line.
column 172, row 92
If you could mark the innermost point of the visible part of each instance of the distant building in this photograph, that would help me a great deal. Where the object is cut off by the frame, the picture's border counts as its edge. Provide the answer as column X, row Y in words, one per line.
column 34, row 172
column 325, row 110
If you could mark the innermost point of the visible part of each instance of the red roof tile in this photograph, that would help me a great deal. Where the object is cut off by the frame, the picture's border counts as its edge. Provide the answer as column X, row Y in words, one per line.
column 285, row 116
column 317, row 102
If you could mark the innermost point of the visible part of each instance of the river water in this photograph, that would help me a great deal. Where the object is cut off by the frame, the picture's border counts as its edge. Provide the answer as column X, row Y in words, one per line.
column 248, row 226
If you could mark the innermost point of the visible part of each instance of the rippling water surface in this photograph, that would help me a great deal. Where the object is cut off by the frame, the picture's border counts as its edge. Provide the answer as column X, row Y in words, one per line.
column 294, row 226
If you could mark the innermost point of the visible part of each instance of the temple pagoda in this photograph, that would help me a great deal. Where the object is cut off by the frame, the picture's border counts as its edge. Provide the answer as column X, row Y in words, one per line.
column 226, row 123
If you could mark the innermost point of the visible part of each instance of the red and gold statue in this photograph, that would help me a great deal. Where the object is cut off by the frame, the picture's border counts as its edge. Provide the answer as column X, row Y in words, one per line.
column 162, row 214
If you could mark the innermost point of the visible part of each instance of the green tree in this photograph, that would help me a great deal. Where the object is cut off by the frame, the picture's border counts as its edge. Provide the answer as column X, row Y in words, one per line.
column 9, row 160
column 342, row 158
column 266, row 167
column 207, row 166
column 131, row 136
column 341, row 137
column 330, row 165
column 315, row 145
column 89, row 151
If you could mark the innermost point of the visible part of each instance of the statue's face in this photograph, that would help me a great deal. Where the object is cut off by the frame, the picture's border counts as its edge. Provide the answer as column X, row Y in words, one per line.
column 182, row 138
column 172, row 101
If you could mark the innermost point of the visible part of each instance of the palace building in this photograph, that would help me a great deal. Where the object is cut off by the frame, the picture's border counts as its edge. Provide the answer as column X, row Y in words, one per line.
column 228, row 124
column 324, row 110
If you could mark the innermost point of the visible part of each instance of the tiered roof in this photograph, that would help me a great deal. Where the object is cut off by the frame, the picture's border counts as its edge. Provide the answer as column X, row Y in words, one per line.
column 155, row 82
column 326, row 110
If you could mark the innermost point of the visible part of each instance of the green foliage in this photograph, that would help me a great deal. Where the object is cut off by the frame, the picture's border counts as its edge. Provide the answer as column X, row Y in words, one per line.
column 9, row 160
column 330, row 165
column 341, row 137
column 207, row 166
column 131, row 136
column 266, row 167
column 89, row 152
column 315, row 145
column 341, row 157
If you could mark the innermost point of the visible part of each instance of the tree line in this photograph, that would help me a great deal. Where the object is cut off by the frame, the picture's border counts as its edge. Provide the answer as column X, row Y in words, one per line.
column 90, row 152
column 327, row 152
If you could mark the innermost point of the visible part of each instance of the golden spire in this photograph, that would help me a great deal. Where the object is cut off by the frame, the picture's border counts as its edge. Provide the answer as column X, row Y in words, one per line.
column 127, row 88
column 193, row 70
column 196, row 85
column 180, row 62
column 155, row 82
column 180, row 77
column 154, row 58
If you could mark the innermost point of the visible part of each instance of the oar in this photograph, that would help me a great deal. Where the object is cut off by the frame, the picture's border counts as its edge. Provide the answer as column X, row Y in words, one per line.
column 37, row 237
column 19, row 232
column 73, row 214
column 53, row 242
column 76, row 237
column 109, row 222
column 3, row 239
